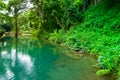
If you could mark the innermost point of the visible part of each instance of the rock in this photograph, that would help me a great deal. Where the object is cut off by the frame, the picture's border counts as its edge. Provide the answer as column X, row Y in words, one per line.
column 103, row 72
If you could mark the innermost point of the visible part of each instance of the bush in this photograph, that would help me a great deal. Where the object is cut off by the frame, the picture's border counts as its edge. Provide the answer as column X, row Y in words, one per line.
column 99, row 35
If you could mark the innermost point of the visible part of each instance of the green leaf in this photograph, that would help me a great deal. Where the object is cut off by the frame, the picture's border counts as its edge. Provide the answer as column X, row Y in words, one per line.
column 103, row 72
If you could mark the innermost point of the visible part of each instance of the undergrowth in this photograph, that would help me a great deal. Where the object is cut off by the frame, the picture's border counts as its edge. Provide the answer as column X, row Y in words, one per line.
column 99, row 34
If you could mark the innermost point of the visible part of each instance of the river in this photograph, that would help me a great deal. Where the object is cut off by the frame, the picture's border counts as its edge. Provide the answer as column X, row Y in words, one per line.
column 33, row 59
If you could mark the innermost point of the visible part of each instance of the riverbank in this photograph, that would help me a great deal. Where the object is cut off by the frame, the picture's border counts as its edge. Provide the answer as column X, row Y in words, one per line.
column 99, row 45
column 98, row 34
column 38, row 59
column 12, row 34
column 103, row 44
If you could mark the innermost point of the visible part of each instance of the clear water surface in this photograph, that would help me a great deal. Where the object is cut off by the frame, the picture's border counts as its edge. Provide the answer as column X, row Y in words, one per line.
column 33, row 59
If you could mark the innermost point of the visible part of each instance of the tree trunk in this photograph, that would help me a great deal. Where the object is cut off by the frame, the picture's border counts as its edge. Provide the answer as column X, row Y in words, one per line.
column 95, row 2
column 59, row 24
column 16, row 21
column 39, row 8
column 84, row 5
column 16, row 26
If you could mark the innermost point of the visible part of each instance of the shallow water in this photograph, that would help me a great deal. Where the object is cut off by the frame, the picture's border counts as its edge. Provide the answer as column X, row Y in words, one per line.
column 34, row 59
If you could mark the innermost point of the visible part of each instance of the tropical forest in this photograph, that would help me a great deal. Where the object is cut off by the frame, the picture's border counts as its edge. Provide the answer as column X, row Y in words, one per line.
column 59, row 39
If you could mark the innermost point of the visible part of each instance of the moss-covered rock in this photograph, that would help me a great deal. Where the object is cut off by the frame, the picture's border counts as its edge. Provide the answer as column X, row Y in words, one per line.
column 103, row 72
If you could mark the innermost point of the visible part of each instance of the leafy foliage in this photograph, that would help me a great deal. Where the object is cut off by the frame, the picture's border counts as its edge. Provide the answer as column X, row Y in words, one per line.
column 103, row 72
column 99, row 35
column 58, row 14
column 82, row 25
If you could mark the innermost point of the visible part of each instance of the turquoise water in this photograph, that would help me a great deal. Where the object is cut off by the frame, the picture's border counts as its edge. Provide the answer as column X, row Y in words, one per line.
column 35, row 59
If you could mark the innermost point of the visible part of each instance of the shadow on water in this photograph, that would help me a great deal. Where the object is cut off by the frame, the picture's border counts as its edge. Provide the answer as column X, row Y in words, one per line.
column 34, row 59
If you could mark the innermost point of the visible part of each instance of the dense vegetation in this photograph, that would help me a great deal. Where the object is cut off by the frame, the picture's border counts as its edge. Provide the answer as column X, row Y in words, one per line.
column 98, row 34
column 90, row 26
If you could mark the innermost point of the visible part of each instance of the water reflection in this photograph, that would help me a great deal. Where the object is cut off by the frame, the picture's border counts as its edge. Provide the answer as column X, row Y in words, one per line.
column 28, row 59
column 4, row 43
column 8, row 75
column 4, row 54
column 13, row 61
column 13, row 56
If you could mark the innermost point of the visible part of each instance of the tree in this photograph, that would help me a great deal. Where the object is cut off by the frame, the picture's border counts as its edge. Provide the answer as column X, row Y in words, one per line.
column 2, row 14
column 15, row 7
column 2, row 11
column 58, row 14
column 2, row 5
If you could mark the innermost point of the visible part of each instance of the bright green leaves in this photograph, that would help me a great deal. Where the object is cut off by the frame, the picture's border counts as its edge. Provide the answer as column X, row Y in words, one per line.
column 58, row 14
column 103, row 72
column 2, row 5
column 78, row 3
column 99, row 41
column 98, row 34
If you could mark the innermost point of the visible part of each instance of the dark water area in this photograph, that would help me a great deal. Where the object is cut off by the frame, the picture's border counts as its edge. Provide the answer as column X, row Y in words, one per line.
column 34, row 59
